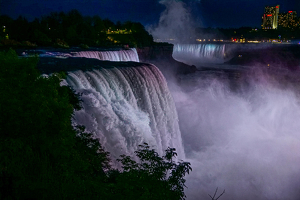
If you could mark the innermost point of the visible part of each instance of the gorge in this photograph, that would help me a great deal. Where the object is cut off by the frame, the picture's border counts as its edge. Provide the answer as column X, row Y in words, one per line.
column 237, row 121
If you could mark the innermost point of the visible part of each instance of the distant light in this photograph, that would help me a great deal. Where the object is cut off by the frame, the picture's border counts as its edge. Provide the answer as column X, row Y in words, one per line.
column 269, row 15
column 254, row 41
column 277, row 6
column 290, row 11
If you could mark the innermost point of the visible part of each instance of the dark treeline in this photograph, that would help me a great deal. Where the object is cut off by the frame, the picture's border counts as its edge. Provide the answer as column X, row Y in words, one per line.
column 248, row 33
column 44, row 156
column 71, row 29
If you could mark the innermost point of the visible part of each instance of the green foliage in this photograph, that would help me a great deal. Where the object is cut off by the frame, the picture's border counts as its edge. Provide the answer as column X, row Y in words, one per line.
column 43, row 156
column 74, row 29
column 60, row 44
column 41, row 38
column 153, row 177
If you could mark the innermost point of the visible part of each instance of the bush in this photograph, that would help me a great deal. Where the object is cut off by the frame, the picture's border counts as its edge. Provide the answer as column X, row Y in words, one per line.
column 41, row 155
column 10, row 43
column 28, row 44
column 41, row 38
column 61, row 44
column 153, row 177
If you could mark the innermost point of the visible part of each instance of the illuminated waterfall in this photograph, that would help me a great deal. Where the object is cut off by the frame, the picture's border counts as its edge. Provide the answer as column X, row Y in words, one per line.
column 121, row 55
column 199, row 52
column 126, row 106
column 117, row 55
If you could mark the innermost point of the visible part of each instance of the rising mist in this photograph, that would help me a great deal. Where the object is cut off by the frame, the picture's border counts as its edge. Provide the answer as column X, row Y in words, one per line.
column 176, row 23
column 241, row 136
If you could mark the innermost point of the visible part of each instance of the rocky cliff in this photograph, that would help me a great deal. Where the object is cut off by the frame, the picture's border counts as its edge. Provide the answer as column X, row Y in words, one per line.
column 161, row 56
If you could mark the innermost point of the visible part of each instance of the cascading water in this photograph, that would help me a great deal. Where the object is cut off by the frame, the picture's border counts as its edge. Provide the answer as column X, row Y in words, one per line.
column 245, row 141
column 241, row 133
column 118, row 55
column 126, row 106
column 199, row 52
column 122, row 55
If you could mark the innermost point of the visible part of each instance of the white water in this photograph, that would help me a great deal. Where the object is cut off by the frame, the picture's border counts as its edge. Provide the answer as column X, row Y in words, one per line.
column 204, row 53
column 246, row 142
column 125, row 107
column 121, row 55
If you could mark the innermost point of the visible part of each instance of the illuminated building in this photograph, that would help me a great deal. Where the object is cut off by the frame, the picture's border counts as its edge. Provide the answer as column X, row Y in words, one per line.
column 288, row 20
column 270, row 17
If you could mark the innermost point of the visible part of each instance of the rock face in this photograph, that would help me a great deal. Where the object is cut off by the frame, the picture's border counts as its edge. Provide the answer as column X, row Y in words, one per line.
column 155, row 52
column 161, row 56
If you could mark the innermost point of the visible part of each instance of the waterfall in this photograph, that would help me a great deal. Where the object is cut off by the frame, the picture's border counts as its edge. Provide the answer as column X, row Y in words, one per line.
column 121, row 55
column 117, row 55
column 126, row 106
column 199, row 52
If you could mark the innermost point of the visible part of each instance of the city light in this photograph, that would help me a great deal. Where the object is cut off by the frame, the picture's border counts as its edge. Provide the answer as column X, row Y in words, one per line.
column 254, row 41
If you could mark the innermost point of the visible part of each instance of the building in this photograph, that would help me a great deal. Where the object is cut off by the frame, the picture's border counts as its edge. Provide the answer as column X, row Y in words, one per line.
column 288, row 20
column 270, row 17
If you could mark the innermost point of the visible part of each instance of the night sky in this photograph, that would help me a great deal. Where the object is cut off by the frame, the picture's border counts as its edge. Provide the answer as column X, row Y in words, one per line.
column 206, row 13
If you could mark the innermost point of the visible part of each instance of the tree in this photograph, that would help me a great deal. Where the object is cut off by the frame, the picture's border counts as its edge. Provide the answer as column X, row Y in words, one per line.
column 40, row 38
column 42, row 155
column 143, row 38
column 213, row 197
column 98, row 24
column 20, row 25
column 153, row 177
column 109, row 24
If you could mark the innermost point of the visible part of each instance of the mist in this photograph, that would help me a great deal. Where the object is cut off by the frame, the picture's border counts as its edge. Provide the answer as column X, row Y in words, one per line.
column 245, row 141
column 176, row 23
column 240, row 136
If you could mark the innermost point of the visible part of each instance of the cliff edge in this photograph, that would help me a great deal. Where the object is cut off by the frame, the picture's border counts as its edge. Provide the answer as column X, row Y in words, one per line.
column 160, row 55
